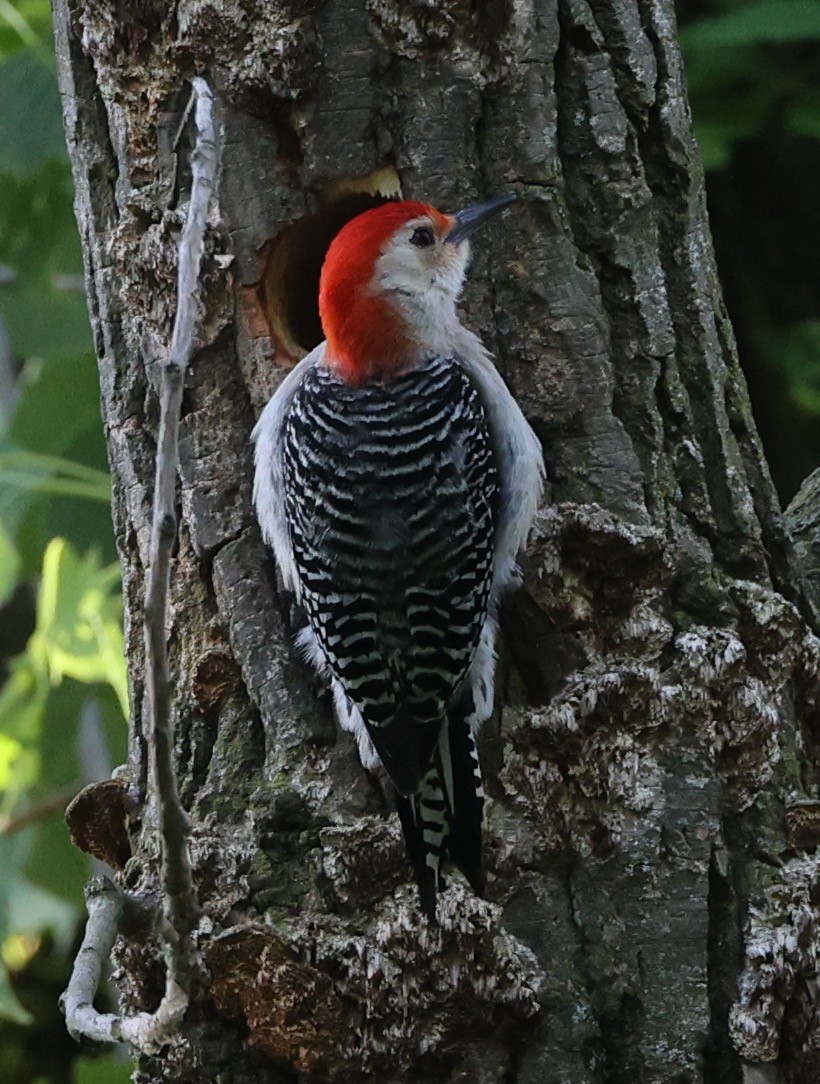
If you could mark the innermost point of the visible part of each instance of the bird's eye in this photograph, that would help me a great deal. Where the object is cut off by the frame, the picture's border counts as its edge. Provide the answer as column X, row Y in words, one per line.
column 422, row 237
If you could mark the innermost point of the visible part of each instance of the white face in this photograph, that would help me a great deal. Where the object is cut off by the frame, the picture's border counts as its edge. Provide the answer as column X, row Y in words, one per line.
column 421, row 274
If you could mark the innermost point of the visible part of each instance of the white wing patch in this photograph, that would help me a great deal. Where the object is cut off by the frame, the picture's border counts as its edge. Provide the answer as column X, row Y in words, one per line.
column 519, row 461
column 348, row 715
column 268, row 482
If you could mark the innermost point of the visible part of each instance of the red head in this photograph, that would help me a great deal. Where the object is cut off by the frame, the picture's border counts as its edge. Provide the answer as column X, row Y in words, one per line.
column 389, row 284
column 368, row 335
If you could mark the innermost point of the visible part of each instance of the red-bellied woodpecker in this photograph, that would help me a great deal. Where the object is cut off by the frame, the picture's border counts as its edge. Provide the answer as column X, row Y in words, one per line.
column 396, row 480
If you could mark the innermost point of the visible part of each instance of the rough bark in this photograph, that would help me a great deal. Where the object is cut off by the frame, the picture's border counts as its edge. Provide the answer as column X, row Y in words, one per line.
column 652, row 911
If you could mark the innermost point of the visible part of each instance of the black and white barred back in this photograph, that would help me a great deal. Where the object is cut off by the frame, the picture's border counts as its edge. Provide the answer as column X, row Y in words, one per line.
column 390, row 496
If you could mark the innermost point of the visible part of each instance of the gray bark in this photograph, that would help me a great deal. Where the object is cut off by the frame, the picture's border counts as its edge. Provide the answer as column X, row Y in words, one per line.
column 652, row 763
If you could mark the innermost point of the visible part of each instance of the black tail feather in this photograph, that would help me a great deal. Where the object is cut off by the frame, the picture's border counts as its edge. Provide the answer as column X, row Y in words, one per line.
column 464, row 840
column 444, row 814
column 427, row 876
column 405, row 748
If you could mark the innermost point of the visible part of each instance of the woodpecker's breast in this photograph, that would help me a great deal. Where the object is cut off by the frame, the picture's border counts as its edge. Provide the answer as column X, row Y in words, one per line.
column 390, row 497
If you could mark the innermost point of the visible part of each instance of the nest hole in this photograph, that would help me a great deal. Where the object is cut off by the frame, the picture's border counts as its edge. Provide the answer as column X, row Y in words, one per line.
column 288, row 291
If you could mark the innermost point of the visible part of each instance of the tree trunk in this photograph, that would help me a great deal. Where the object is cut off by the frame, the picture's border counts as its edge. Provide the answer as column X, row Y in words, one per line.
column 652, row 762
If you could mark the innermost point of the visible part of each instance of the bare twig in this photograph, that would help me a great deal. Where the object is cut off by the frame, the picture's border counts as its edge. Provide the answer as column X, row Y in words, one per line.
column 106, row 907
column 180, row 902
column 147, row 1031
column 183, row 122
column 104, row 903
column 50, row 806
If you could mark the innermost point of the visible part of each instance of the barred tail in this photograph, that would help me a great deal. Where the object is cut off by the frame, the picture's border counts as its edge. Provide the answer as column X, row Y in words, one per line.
column 443, row 817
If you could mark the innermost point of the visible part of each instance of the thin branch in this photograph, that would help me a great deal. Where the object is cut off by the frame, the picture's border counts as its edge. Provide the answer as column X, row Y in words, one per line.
column 53, row 464
column 181, row 908
column 148, row 1032
column 106, row 905
column 50, row 806
column 62, row 486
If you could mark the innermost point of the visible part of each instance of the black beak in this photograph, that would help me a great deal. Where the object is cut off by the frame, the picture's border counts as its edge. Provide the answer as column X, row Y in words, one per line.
column 476, row 215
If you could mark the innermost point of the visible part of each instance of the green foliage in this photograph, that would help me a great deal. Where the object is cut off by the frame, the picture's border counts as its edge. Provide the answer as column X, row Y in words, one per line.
column 78, row 632
column 55, row 530
column 751, row 69
column 10, row 1007
column 23, row 22
column 43, row 310
column 795, row 351
column 101, row 1071
column 77, row 635
column 42, row 306
column 755, row 23
column 51, row 474
column 9, row 565
column 27, row 89
column 749, row 64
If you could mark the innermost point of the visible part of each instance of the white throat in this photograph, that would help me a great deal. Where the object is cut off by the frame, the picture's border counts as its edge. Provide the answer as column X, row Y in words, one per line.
column 423, row 288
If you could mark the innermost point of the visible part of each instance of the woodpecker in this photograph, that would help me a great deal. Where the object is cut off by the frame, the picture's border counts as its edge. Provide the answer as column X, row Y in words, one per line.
column 396, row 480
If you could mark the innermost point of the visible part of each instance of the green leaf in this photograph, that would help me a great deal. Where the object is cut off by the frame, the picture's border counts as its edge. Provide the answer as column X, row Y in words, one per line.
column 23, row 697
column 38, row 235
column 51, row 474
column 23, row 23
column 67, row 378
column 753, row 23
column 112, row 1069
column 12, row 854
column 78, row 619
column 54, row 865
column 58, row 410
column 10, row 1007
column 19, row 768
column 795, row 351
column 31, row 910
column 59, row 738
column 804, row 115
column 715, row 144
column 9, row 564
column 43, row 321
column 74, row 435
column 28, row 89
column 77, row 635
column 22, row 702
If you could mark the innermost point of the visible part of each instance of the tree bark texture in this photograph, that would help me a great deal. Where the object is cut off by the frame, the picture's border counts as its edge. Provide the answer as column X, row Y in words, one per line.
column 652, row 762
